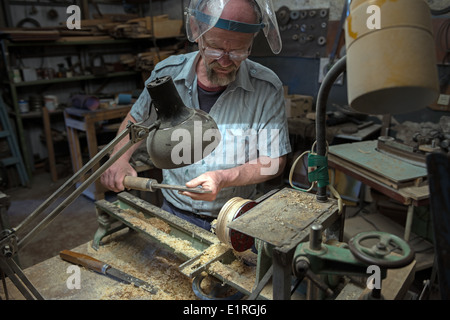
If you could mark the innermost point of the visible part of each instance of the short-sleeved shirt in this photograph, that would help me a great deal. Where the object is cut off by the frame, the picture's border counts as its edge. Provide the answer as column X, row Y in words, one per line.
column 251, row 118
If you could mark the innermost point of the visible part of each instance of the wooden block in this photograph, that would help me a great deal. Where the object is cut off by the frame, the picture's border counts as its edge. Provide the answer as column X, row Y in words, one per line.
column 416, row 193
column 84, row 38
column 94, row 22
column 167, row 28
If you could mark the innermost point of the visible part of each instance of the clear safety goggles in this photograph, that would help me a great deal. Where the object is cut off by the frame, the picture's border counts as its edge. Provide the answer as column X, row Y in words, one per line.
column 216, row 54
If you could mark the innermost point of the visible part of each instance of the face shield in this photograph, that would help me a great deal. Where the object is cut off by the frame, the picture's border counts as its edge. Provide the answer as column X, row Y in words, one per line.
column 202, row 15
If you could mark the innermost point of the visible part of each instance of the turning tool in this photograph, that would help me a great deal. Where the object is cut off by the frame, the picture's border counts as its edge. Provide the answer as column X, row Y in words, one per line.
column 146, row 184
column 104, row 268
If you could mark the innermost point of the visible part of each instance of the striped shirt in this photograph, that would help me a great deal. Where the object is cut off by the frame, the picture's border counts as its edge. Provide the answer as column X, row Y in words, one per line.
column 251, row 118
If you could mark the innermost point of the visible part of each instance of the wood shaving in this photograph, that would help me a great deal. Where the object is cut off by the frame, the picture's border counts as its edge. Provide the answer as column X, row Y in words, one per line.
column 146, row 261
column 212, row 252
column 235, row 272
column 148, row 225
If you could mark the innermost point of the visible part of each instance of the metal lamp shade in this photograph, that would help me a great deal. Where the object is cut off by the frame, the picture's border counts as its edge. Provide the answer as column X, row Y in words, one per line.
column 179, row 140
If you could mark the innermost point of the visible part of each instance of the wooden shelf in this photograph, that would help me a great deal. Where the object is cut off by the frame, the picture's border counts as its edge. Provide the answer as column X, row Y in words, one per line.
column 77, row 78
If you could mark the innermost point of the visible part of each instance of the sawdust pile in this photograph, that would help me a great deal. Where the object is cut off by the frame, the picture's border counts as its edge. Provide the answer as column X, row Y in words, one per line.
column 153, row 221
column 152, row 262
column 132, row 254
column 160, row 225
column 236, row 272
column 230, row 270
column 214, row 251
column 160, row 230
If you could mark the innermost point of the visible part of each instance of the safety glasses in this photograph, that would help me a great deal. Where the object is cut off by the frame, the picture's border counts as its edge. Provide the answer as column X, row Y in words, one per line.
column 216, row 54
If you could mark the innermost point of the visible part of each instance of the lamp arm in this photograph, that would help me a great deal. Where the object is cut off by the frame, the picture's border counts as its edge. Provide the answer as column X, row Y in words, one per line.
column 321, row 106
column 137, row 133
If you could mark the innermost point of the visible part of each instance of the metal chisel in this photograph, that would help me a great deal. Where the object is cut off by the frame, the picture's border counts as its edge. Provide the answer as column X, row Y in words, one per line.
column 146, row 184
column 106, row 269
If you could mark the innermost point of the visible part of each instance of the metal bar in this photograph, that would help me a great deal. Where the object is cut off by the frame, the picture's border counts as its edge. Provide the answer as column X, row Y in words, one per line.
column 94, row 176
column 24, row 279
column 69, row 183
column 21, row 282
column 78, row 191
column 281, row 277
column 321, row 107
column 255, row 293
column 409, row 220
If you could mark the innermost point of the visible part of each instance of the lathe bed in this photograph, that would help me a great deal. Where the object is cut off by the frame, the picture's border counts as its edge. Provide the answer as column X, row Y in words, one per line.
column 281, row 220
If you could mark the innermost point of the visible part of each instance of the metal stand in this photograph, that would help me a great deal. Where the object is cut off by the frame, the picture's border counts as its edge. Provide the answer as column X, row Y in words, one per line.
column 10, row 241
column 313, row 258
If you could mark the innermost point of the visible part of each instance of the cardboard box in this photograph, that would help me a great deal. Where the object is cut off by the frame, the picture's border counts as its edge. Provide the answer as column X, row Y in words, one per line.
column 164, row 27
column 167, row 28
column 298, row 105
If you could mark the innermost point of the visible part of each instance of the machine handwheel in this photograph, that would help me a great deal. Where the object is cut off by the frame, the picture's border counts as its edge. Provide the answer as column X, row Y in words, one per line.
column 380, row 253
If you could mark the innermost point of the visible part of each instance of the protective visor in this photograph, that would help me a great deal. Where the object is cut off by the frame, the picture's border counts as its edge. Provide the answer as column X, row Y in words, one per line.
column 202, row 15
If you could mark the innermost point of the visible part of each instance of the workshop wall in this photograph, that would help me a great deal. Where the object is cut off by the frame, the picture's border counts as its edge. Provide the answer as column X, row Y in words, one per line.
column 301, row 74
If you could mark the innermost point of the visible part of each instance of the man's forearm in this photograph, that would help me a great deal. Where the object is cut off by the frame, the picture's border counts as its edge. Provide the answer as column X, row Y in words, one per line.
column 253, row 173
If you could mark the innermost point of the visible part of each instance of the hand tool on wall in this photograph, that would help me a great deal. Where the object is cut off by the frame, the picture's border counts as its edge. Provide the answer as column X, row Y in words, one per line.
column 146, row 184
column 104, row 268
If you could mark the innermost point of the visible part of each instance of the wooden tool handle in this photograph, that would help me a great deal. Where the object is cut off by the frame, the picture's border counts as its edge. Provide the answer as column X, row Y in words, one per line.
column 83, row 260
column 137, row 183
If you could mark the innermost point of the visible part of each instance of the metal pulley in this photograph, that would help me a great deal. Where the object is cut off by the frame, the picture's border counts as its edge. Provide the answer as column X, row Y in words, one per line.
column 283, row 15
column 232, row 209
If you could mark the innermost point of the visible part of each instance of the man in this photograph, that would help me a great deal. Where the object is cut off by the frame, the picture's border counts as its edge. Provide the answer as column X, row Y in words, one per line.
column 244, row 98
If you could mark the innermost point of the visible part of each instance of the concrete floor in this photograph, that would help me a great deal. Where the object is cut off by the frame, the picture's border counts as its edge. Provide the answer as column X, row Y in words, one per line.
column 75, row 225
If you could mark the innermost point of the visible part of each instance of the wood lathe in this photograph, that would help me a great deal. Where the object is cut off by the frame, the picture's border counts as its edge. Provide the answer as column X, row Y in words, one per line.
column 204, row 251
column 254, row 244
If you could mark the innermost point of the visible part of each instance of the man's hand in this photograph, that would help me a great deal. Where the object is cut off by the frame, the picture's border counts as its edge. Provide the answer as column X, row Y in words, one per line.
column 211, row 180
column 113, row 177
column 264, row 169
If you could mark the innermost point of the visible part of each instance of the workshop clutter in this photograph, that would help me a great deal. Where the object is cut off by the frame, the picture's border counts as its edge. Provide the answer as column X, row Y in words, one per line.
column 160, row 27
column 131, row 26
column 107, row 26
column 87, row 102
column 298, row 105
column 424, row 137
column 95, row 64
column 103, row 101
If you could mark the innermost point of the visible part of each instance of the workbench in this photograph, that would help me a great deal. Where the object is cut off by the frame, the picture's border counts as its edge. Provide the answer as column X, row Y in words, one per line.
column 395, row 178
column 130, row 252
column 82, row 120
column 127, row 251
column 305, row 128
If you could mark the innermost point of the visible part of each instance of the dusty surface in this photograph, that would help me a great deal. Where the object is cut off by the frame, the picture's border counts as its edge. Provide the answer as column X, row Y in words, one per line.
column 147, row 262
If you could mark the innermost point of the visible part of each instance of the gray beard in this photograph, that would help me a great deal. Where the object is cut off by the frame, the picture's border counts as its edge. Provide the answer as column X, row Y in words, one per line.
column 220, row 80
